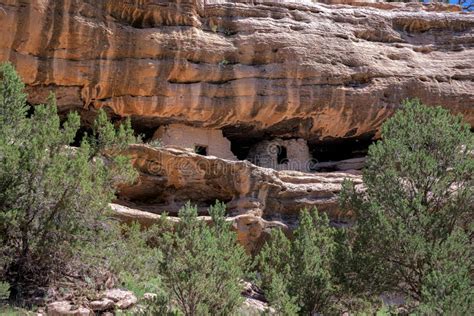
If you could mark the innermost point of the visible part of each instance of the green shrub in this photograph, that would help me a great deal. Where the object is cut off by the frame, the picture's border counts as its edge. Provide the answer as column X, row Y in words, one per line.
column 129, row 253
column 203, row 265
column 446, row 287
column 51, row 195
column 4, row 290
column 298, row 275
column 414, row 220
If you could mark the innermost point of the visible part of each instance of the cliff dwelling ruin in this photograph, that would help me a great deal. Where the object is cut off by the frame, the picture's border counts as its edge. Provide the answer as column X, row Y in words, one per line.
column 280, row 154
column 277, row 153
column 203, row 141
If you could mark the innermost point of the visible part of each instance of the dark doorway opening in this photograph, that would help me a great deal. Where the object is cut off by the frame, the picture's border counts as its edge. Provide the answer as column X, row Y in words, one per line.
column 282, row 155
column 241, row 147
column 341, row 149
column 200, row 150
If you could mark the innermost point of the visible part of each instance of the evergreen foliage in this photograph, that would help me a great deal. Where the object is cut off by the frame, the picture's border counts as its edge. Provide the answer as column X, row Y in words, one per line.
column 414, row 220
column 130, row 252
column 51, row 194
column 298, row 275
column 203, row 265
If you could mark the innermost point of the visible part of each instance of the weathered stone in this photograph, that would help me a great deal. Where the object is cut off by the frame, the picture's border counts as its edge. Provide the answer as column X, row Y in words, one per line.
column 253, row 307
column 341, row 165
column 252, row 231
column 116, row 294
column 255, row 302
column 282, row 154
column 130, row 215
column 258, row 199
column 102, row 305
column 280, row 68
column 212, row 140
column 169, row 177
column 127, row 302
column 122, row 299
column 65, row 308
column 149, row 296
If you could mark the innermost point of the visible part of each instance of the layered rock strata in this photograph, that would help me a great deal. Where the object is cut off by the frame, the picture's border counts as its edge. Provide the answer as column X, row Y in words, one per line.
column 252, row 68
column 169, row 177
column 257, row 198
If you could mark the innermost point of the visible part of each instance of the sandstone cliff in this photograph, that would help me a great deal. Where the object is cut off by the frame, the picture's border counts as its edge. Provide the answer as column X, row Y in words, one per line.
column 253, row 68
column 258, row 70
column 257, row 199
column 170, row 177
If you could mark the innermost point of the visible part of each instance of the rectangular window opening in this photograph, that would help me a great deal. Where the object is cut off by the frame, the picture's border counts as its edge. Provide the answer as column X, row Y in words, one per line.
column 282, row 155
column 200, row 150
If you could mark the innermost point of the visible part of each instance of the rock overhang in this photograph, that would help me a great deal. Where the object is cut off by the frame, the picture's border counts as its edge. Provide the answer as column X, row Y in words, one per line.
column 279, row 69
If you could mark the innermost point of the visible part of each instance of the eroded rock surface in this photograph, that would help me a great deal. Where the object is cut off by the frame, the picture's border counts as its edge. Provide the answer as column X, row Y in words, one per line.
column 253, row 68
column 252, row 230
column 258, row 199
column 66, row 308
column 169, row 177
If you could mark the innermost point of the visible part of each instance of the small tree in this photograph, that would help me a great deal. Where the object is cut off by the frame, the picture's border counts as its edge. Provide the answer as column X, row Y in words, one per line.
column 414, row 220
column 203, row 265
column 298, row 275
column 50, row 194
column 116, row 242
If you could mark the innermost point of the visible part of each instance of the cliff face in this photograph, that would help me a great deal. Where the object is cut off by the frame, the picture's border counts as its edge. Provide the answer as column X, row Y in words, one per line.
column 253, row 68
column 258, row 199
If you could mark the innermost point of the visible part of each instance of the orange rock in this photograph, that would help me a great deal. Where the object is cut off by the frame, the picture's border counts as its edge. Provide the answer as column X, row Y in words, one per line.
column 294, row 69
column 258, row 199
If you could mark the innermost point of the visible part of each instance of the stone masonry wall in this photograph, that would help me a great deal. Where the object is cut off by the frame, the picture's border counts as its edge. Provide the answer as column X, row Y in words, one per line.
column 189, row 137
column 265, row 154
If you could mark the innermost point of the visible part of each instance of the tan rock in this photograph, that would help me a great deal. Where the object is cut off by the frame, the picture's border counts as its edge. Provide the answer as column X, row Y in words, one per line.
column 127, row 302
column 102, row 305
column 342, row 165
column 258, row 199
column 252, row 231
column 65, row 308
column 149, row 296
column 305, row 70
column 169, row 177
column 253, row 307
column 122, row 299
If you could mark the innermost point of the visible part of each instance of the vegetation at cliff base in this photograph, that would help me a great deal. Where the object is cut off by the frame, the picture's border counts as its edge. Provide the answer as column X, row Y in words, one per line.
column 203, row 265
column 51, row 195
column 414, row 232
column 53, row 205
column 298, row 274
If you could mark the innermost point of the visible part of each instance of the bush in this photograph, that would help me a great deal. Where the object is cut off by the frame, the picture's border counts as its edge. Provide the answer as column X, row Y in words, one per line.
column 203, row 265
column 51, row 195
column 116, row 242
column 298, row 275
column 414, row 220
column 4, row 290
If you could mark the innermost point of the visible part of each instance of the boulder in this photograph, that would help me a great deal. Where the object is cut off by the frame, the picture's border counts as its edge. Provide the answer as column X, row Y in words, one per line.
column 102, row 305
column 66, row 308
column 123, row 299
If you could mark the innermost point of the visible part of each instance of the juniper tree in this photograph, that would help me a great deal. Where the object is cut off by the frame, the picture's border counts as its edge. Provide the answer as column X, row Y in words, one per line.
column 203, row 265
column 298, row 275
column 414, row 219
column 51, row 194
